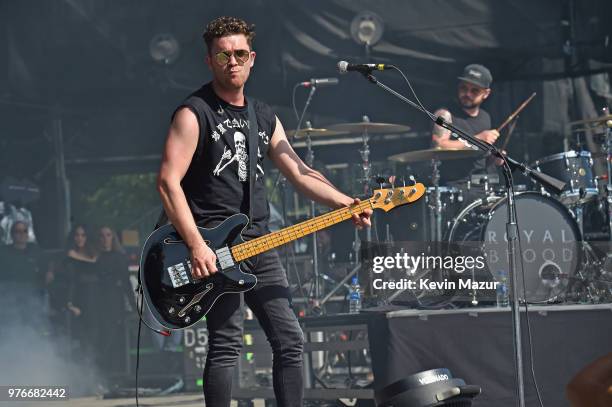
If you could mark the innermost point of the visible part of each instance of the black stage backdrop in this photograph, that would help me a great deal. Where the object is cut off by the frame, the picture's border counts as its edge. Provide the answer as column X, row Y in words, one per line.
column 476, row 345
column 84, row 68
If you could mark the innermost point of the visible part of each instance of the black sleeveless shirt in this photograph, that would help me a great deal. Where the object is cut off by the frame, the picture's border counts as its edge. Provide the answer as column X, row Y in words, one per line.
column 217, row 181
column 455, row 170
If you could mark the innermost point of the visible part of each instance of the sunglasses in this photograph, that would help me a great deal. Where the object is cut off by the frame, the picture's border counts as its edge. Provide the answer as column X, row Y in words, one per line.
column 242, row 56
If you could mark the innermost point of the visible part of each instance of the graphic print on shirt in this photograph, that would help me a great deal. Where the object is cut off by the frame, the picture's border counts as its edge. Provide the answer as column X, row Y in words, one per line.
column 241, row 157
column 259, row 167
column 264, row 137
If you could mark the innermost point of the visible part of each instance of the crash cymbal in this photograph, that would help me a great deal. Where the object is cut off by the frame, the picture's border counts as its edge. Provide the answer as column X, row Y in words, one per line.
column 600, row 120
column 313, row 132
column 370, row 127
column 441, row 154
column 599, row 128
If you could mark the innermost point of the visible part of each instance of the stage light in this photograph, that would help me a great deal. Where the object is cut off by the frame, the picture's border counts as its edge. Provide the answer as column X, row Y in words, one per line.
column 431, row 388
column 164, row 48
column 367, row 28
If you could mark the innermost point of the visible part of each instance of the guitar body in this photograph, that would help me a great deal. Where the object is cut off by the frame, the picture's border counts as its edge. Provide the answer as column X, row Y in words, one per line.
column 174, row 297
column 178, row 301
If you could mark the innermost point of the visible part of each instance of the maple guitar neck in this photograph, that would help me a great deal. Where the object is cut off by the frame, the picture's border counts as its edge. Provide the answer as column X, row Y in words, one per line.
column 382, row 199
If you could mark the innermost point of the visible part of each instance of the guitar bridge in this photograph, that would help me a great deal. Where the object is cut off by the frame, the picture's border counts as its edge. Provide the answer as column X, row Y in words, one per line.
column 178, row 274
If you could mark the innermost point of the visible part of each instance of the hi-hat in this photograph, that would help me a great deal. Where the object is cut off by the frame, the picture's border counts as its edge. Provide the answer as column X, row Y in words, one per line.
column 599, row 128
column 313, row 132
column 441, row 154
column 596, row 120
column 370, row 127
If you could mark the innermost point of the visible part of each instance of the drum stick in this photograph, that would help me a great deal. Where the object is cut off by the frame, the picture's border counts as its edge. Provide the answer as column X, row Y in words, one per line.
column 516, row 112
column 510, row 131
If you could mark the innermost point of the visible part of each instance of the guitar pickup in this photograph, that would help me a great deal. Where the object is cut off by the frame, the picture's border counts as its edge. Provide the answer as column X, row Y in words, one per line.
column 178, row 275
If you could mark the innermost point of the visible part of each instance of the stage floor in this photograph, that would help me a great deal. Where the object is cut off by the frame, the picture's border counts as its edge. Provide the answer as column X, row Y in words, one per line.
column 178, row 400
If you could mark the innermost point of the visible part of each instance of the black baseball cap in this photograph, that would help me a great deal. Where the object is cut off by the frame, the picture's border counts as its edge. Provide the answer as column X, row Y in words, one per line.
column 478, row 75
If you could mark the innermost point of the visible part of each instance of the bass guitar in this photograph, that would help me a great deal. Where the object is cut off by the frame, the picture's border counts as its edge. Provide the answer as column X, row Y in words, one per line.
column 177, row 300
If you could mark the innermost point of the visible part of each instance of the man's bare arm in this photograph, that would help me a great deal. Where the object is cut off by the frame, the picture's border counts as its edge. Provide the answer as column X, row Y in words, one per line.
column 180, row 146
column 442, row 137
column 308, row 181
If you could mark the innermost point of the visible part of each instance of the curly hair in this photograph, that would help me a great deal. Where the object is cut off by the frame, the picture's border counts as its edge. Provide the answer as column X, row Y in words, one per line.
column 224, row 26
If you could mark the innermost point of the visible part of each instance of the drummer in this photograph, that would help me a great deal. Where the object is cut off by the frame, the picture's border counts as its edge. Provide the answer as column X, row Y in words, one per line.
column 466, row 113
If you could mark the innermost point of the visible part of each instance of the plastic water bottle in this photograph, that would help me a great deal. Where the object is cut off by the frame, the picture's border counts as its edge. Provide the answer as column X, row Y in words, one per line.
column 354, row 297
column 502, row 289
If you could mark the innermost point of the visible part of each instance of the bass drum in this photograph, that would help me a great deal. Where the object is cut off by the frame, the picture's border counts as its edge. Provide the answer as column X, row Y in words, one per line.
column 549, row 242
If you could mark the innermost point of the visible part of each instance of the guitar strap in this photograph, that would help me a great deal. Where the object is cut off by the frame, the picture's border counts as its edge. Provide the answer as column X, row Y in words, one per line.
column 253, row 143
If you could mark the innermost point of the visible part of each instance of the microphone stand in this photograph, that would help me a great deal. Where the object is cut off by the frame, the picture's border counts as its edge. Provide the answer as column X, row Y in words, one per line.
column 511, row 227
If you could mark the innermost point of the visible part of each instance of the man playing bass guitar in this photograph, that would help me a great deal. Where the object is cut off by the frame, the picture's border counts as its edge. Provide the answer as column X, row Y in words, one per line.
column 204, row 179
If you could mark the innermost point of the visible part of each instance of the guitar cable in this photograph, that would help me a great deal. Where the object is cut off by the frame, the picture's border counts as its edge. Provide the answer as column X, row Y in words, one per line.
column 529, row 339
column 139, row 308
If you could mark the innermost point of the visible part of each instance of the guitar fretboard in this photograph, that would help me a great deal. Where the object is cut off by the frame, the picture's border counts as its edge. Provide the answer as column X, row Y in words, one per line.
column 262, row 244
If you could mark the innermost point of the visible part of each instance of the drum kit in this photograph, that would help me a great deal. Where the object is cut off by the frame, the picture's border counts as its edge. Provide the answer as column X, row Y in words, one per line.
column 561, row 263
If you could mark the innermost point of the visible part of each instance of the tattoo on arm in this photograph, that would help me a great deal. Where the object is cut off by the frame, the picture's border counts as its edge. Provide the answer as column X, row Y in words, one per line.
column 439, row 131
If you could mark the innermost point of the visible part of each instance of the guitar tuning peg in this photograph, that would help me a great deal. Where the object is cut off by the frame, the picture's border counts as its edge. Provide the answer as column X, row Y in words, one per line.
column 411, row 180
column 403, row 181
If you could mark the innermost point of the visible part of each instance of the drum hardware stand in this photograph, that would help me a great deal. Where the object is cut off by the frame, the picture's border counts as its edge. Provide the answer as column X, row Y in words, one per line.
column 357, row 246
column 315, row 252
column 474, row 295
column 512, row 228
column 366, row 166
column 310, row 162
column 609, row 199
column 609, row 168
column 365, row 180
column 579, row 215
column 436, row 222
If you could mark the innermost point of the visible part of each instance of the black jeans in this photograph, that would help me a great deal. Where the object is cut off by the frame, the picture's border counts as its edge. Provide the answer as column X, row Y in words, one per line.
column 270, row 303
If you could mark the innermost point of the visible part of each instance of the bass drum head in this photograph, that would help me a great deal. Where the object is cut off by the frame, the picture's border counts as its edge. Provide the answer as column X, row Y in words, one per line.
column 549, row 245
column 549, row 242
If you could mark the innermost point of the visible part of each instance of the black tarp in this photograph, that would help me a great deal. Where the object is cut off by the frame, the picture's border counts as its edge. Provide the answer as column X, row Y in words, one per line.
column 89, row 60
column 87, row 63
column 478, row 347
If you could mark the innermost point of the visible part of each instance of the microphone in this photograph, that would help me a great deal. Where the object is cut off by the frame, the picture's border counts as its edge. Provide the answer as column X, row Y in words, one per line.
column 320, row 82
column 344, row 67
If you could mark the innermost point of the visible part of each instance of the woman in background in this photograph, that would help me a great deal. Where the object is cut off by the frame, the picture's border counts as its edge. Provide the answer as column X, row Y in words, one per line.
column 115, row 292
column 71, row 287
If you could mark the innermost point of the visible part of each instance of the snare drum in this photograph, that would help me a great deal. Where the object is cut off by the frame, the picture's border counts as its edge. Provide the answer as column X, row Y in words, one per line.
column 576, row 169
column 549, row 238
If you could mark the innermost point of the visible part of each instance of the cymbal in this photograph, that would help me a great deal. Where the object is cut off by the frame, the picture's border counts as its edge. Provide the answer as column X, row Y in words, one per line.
column 597, row 128
column 370, row 127
column 441, row 154
column 314, row 132
column 600, row 119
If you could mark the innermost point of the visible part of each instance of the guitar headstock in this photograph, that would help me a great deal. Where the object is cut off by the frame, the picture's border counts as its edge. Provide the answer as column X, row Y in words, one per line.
column 388, row 198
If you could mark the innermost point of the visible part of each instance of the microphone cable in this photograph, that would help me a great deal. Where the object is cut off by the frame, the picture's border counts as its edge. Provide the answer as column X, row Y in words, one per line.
column 139, row 309
column 297, row 117
column 529, row 339
column 511, row 180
